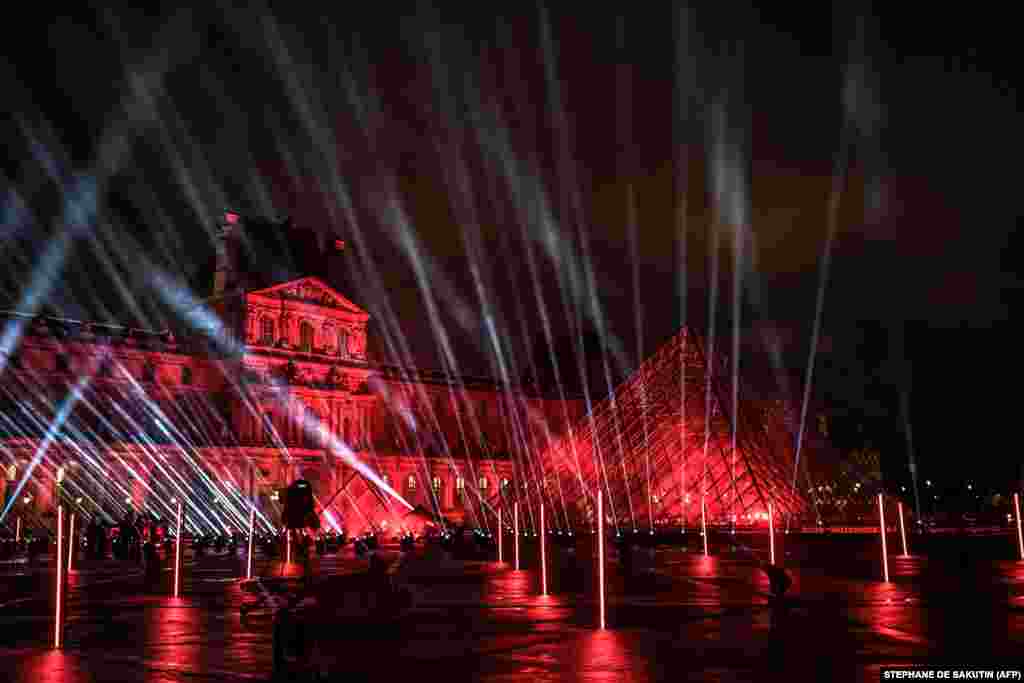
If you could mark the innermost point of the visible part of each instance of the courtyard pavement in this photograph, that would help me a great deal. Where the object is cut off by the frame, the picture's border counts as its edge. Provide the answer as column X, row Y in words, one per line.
column 681, row 615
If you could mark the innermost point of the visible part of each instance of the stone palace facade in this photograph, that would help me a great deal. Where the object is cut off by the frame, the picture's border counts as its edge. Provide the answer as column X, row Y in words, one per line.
column 111, row 418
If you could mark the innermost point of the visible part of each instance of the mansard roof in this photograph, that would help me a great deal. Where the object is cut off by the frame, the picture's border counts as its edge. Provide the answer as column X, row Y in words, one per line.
column 312, row 290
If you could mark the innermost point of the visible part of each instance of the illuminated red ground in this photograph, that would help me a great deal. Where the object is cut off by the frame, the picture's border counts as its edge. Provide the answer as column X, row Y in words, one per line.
column 696, row 616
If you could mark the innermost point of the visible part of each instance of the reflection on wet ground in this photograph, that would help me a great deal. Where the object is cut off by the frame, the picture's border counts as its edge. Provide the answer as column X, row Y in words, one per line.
column 680, row 614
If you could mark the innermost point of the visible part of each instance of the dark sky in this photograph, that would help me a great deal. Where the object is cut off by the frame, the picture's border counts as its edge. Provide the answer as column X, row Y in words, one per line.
column 477, row 142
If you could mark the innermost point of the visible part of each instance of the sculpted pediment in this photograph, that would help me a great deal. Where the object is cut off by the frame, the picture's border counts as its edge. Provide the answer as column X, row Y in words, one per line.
column 310, row 290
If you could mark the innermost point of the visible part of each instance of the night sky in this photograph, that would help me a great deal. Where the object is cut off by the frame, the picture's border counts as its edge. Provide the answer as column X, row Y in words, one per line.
column 439, row 144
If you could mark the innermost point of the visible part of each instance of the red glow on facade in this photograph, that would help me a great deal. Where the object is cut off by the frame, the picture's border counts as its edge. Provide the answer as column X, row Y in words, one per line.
column 332, row 360
column 881, row 529
column 177, row 554
column 58, row 627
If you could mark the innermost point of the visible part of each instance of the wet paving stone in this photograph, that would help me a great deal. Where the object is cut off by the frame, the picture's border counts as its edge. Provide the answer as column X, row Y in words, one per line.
column 691, row 617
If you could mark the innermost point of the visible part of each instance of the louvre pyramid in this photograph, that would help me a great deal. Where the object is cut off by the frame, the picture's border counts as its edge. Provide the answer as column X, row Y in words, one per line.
column 655, row 455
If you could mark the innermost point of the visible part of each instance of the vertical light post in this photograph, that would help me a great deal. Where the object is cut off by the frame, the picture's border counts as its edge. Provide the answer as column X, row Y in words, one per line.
column 248, row 560
column 771, row 533
column 17, row 531
column 1020, row 536
column 71, row 542
column 703, row 525
column 501, row 535
column 543, row 556
column 58, row 626
column 903, row 531
column 515, row 530
column 287, row 546
column 177, row 552
column 885, row 554
column 600, row 557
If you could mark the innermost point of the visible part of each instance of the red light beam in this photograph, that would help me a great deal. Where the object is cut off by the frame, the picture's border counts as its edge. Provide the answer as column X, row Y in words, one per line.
column 703, row 524
column 177, row 554
column 71, row 542
column 248, row 561
column 881, row 529
column 1020, row 536
column 543, row 557
column 515, row 530
column 903, row 532
column 600, row 557
column 58, row 626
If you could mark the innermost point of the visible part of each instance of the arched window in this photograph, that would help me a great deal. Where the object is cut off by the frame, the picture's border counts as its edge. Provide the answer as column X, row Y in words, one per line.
column 483, row 483
column 327, row 333
column 186, row 375
column 305, row 336
column 267, row 332
column 437, row 484
column 63, row 363
column 343, row 343
column 410, row 483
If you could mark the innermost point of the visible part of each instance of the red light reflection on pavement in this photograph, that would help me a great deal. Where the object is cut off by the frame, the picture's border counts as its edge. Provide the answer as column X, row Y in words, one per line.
column 604, row 656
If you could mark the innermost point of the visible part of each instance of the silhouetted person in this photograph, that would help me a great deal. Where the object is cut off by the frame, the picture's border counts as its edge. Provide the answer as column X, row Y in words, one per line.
column 135, row 544
column 32, row 548
column 90, row 539
column 152, row 565
column 125, row 537
column 779, row 582
column 102, row 540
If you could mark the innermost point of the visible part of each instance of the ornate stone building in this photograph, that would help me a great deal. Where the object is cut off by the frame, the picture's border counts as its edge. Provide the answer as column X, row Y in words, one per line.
column 112, row 418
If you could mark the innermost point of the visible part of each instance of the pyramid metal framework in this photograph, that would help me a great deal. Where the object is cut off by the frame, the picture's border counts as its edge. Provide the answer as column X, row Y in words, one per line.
column 654, row 453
